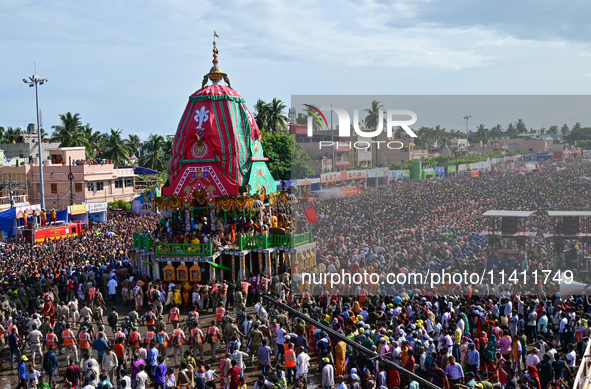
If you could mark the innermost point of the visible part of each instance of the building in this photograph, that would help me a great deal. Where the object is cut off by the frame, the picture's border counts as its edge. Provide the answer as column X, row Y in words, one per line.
column 90, row 182
column 526, row 145
column 24, row 147
column 454, row 143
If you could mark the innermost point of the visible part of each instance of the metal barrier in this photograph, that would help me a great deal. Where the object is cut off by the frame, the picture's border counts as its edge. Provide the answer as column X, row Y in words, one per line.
column 583, row 380
column 385, row 362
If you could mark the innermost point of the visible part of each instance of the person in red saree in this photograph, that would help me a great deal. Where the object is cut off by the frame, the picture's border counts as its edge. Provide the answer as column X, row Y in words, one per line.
column 235, row 373
column 49, row 310
column 533, row 372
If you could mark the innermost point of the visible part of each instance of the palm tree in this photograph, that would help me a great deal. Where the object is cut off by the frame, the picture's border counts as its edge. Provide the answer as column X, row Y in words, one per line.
column 70, row 132
column 96, row 140
column 276, row 118
column 155, row 156
column 553, row 130
column 577, row 126
column 373, row 115
column 496, row 132
column 481, row 134
column 564, row 130
column 134, row 142
column 261, row 114
column 7, row 136
column 115, row 149
column 511, row 131
column 520, row 127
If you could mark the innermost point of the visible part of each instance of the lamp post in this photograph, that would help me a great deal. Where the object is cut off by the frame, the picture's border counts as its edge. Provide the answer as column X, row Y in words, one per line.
column 34, row 81
column 467, row 117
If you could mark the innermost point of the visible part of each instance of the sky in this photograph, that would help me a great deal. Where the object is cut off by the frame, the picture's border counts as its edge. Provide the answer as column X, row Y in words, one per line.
column 132, row 65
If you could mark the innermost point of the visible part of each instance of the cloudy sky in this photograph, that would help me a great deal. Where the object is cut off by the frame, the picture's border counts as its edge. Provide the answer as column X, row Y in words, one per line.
column 132, row 64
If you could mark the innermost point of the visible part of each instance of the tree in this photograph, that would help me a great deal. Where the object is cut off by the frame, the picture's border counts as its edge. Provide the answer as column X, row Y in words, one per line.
column 154, row 156
column 275, row 115
column 481, row 134
column 553, row 130
column 373, row 115
column 511, row 131
column 7, row 136
column 520, row 127
column 276, row 146
column 564, row 130
column 577, row 126
column 579, row 134
column 96, row 141
column 115, row 149
column 496, row 132
column 70, row 132
column 134, row 143
column 261, row 115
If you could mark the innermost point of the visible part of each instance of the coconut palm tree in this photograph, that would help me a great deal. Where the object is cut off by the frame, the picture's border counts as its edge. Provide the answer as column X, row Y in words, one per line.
column 511, row 131
column 7, row 135
column 553, row 130
column 96, row 140
column 70, row 132
column 496, row 132
column 134, row 142
column 520, row 127
column 155, row 156
column 116, row 149
column 276, row 118
column 481, row 134
column 261, row 114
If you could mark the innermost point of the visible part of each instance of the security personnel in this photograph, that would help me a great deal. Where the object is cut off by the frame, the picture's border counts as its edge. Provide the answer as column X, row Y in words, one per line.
column 70, row 342
column 213, row 339
column 84, row 342
column 173, row 316
column 290, row 363
column 150, row 337
column 196, row 341
column 178, row 336
column 150, row 319
column 50, row 339
column 134, row 341
column 219, row 312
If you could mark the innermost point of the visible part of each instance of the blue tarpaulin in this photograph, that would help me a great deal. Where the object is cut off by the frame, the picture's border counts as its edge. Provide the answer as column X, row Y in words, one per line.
column 144, row 170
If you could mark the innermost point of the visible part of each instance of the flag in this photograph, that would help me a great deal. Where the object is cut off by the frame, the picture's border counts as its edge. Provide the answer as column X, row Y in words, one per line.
column 311, row 215
column 215, row 34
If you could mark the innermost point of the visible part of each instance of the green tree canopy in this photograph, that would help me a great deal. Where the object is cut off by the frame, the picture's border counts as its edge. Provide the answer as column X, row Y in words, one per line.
column 276, row 147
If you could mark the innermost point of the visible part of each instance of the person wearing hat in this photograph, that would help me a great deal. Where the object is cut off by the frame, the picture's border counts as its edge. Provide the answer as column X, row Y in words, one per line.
column 52, row 216
column 22, row 372
column 43, row 217
column 327, row 374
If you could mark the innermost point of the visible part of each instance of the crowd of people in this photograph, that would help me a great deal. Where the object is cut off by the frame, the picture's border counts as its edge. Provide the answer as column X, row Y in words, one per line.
column 66, row 297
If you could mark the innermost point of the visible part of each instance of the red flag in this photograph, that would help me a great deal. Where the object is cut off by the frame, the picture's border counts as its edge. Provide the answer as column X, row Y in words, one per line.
column 311, row 215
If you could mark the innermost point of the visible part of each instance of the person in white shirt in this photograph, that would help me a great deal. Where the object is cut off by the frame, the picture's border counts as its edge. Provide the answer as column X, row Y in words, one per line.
column 280, row 341
column 35, row 337
column 141, row 378
column 112, row 285
column 302, row 364
column 532, row 358
column 571, row 356
column 32, row 377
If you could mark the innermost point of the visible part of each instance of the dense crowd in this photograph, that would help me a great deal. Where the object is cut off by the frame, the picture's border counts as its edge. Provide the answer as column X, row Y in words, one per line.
column 66, row 296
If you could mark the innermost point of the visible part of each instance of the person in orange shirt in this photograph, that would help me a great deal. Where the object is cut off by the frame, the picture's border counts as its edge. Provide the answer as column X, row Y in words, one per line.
column 50, row 339
column 173, row 317
column 119, row 350
column 219, row 313
column 70, row 343
column 178, row 337
column 84, row 342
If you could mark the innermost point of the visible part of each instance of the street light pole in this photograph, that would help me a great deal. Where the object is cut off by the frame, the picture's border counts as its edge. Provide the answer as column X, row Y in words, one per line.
column 35, row 80
column 467, row 117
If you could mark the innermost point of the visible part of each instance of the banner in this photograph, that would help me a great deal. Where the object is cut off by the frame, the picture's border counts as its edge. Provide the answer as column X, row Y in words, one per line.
column 77, row 209
column 330, row 177
column 29, row 208
column 96, row 207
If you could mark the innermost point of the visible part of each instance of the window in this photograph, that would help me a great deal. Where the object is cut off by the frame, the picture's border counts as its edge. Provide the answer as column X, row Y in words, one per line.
column 90, row 186
column 53, row 188
column 99, row 186
column 119, row 183
column 128, row 182
column 78, row 186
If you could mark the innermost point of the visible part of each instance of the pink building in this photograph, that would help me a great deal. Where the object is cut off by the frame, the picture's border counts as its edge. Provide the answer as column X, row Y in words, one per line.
column 91, row 182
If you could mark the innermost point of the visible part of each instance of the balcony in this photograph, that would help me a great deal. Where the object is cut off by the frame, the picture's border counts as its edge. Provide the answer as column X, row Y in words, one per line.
column 265, row 242
column 145, row 242
column 183, row 249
